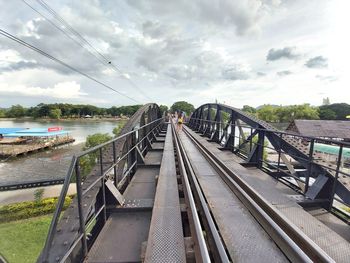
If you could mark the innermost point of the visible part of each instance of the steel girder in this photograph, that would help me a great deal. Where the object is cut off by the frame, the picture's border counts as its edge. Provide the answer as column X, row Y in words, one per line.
column 322, row 188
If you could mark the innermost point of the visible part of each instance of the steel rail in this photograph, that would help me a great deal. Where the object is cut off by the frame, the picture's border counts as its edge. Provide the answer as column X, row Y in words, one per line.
column 291, row 240
column 203, row 250
column 219, row 246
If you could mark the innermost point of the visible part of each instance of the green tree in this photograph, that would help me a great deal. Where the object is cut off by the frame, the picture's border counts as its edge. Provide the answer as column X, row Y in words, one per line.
column 249, row 109
column 327, row 114
column 118, row 129
column 38, row 194
column 267, row 113
column 88, row 161
column 287, row 113
column 16, row 111
column 2, row 113
column 305, row 111
column 55, row 113
column 163, row 108
column 341, row 110
column 182, row 106
column 96, row 139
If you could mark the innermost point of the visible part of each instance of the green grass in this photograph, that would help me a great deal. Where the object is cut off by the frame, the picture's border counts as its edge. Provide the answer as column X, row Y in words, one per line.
column 22, row 241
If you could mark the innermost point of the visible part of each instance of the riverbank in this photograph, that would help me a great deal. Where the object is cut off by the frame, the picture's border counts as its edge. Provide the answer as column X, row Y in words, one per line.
column 14, row 150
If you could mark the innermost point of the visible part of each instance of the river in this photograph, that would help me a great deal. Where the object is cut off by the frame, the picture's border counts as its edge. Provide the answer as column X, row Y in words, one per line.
column 52, row 163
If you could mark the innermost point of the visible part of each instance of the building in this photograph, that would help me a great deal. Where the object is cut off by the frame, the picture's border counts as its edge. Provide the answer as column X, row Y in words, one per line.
column 330, row 129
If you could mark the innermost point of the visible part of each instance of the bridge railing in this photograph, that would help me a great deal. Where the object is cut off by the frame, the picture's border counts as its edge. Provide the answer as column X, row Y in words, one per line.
column 244, row 140
column 119, row 167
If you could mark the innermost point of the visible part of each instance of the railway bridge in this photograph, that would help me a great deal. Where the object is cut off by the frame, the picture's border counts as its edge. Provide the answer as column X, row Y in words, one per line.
column 227, row 188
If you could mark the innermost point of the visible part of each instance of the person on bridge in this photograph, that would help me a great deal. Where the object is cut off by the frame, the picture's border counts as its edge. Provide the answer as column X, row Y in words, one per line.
column 180, row 121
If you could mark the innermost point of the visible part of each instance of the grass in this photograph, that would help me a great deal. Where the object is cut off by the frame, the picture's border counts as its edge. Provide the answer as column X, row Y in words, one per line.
column 22, row 241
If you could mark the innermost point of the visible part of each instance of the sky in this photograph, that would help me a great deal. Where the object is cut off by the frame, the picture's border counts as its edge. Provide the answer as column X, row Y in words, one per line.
column 237, row 52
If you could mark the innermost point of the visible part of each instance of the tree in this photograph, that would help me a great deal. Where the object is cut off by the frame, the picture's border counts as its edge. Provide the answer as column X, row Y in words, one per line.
column 86, row 162
column 2, row 113
column 249, row 109
column 305, row 111
column 55, row 113
column 288, row 113
column 96, row 139
column 341, row 110
column 163, row 108
column 118, row 129
column 327, row 114
column 267, row 113
column 16, row 111
column 182, row 106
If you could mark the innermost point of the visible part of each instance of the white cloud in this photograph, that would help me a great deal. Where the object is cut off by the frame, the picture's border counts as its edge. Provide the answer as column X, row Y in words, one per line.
column 62, row 90
column 175, row 50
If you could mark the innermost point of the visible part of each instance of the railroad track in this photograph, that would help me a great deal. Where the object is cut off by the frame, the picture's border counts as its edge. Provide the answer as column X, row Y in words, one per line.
column 217, row 245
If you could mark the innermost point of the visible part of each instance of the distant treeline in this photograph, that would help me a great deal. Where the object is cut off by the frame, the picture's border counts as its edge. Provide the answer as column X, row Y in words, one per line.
column 283, row 114
column 65, row 110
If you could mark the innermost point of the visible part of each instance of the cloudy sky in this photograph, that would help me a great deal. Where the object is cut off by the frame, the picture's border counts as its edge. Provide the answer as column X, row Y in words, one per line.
column 234, row 51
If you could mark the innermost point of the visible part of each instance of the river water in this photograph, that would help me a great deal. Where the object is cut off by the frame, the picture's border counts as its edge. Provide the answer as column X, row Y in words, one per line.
column 52, row 163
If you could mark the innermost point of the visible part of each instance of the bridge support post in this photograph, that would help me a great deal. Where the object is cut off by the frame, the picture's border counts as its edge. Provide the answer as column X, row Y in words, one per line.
column 116, row 177
column 230, row 143
column 217, row 126
column 207, row 122
column 256, row 156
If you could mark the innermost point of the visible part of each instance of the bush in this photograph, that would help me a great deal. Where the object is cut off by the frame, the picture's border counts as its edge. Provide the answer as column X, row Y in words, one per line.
column 30, row 209
column 38, row 194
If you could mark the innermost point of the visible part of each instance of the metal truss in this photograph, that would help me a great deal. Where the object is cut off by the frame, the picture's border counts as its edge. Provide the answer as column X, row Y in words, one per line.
column 296, row 159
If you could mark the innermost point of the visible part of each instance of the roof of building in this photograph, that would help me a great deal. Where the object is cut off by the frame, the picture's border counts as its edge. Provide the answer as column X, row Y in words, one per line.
column 10, row 130
column 321, row 128
column 35, row 132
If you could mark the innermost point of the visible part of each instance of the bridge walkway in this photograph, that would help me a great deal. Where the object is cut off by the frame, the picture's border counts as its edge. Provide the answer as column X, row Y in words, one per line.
column 329, row 233
column 127, row 227
column 148, row 226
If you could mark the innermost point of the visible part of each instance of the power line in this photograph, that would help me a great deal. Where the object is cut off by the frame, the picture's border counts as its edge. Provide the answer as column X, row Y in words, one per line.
column 60, row 29
column 84, row 40
column 23, row 43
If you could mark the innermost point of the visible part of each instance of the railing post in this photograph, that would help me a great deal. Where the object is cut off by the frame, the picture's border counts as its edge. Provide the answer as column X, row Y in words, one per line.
column 279, row 155
column 251, row 140
column 309, row 170
column 103, row 187
column 80, row 207
column 116, row 179
column 340, row 154
column 233, row 131
column 260, row 148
